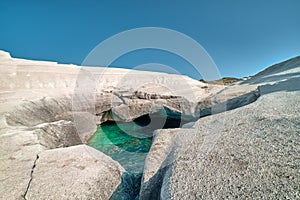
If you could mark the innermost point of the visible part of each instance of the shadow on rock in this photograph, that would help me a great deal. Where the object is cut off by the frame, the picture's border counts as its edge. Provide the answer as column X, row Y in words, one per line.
column 231, row 104
column 129, row 188
column 289, row 85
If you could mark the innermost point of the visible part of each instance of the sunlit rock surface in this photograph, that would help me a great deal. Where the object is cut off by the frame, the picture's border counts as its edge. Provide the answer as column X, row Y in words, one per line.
column 251, row 152
column 45, row 105
column 77, row 172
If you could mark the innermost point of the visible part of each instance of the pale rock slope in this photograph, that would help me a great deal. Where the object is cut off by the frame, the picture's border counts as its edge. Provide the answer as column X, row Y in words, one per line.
column 251, row 152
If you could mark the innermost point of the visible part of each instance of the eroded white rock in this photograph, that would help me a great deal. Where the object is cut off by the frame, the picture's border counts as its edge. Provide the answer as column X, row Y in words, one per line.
column 242, row 153
column 77, row 172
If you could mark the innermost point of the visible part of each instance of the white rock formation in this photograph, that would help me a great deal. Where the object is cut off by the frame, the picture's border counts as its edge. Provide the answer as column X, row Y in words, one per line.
column 89, row 173
column 251, row 152
column 45, row 105
column 34, row 92
column 47, row 110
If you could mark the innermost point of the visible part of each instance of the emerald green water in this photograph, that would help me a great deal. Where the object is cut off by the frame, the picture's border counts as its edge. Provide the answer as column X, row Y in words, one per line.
column 118, row 142
column 129, row 143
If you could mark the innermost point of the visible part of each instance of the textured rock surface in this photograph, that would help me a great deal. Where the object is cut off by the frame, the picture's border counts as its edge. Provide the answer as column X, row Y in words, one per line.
column 45, row 105
column 35, row 92
column 251, row 152
column 160, row 158
column 18, row 152
column 78, row 172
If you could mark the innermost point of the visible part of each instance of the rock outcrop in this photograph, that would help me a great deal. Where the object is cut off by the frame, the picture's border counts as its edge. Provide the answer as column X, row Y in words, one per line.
column 35, row 92
column 45, row 106
column 251, row 152
column 77, row 172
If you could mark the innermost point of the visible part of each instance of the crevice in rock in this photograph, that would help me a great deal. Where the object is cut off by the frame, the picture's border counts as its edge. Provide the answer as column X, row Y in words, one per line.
column 129, row 188
column 31, row 177
column 120, row 97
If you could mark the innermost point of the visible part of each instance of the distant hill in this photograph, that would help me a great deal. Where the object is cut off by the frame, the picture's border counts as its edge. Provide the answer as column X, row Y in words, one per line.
column 222, row 81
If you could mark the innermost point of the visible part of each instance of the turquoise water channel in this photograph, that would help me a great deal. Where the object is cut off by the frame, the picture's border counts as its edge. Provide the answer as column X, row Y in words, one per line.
column 129, row 143
column 113, row 139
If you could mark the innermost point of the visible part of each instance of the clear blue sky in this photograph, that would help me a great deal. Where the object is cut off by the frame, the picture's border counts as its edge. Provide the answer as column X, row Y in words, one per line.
column 241, row 36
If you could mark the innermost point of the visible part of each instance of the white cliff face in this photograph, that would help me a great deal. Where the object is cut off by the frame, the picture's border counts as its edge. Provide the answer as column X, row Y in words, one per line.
column 249, row 152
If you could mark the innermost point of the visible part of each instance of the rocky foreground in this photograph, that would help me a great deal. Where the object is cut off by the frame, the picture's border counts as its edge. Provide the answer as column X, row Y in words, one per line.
column 246, row 145
column 251, row 152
